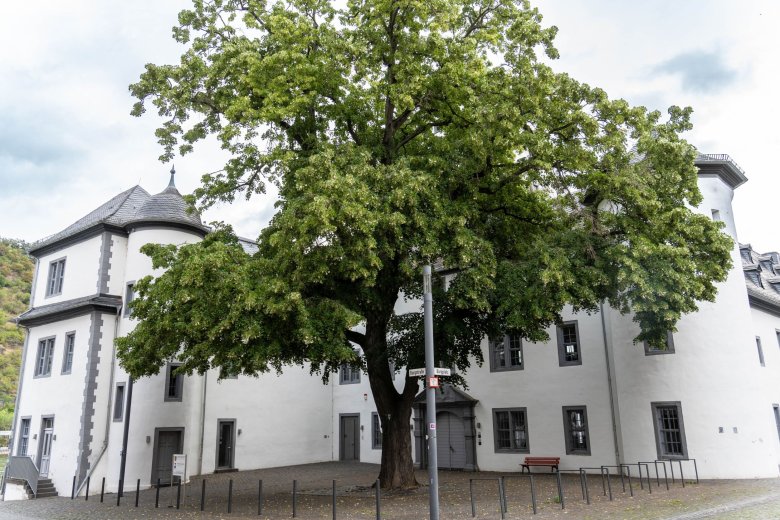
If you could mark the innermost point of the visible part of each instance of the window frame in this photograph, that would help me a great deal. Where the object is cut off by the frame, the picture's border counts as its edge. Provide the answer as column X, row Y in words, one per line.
column 56, row 278
column 119, row 405
column 24, row 438
column 655, row 406
column 513, row 449
column 67, row 352
column 656, row 352
column 760, row 349
column 179, row 390
column 376, row 431
column 44, row 357
column 562, row 361
column 347, row 374
column 506, row 342
column 129, row 297
column 567, row 429
column 776, row 412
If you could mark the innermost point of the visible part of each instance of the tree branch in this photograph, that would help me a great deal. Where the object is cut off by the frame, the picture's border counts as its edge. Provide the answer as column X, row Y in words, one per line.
column 355, row 337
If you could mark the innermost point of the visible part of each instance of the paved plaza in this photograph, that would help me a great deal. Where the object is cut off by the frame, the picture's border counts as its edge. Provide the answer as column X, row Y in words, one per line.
column 356, row 499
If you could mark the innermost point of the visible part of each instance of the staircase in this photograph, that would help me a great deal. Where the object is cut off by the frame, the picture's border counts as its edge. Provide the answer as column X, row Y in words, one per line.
column 45, row 489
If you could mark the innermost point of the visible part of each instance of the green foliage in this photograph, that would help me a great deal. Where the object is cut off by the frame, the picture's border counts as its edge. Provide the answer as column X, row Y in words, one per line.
column 16, row 269
column 400, row 133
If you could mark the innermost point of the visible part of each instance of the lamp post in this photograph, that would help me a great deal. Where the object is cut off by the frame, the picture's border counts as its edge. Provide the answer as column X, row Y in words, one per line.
column 430, row 395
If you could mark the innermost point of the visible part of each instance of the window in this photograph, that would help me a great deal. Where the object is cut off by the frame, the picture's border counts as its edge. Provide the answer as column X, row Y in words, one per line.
column 173, row 383
column 506, row 353
column 776, row 408
column 777, row 334
column 67, row 355
column 56, row 275
column 24, row 437
column 575, row 426
column 510, row 430
column 669, row 430
column 569, row 344
column 760, row 352
column 716, row 215
column 119, row 402
column 45, row 355
column 376, row 432
column 129, row 296
column 349, row 374
column 653, row 350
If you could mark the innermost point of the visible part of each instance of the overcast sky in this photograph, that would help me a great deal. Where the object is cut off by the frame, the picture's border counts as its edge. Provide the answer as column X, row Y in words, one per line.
column 68, row 143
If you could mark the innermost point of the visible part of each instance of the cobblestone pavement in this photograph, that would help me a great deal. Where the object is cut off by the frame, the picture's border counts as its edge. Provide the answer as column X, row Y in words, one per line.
column 721, row 499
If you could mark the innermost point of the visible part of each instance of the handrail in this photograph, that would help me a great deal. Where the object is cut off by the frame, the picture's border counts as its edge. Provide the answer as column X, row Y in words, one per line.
column 717, row 157
column 23, row 468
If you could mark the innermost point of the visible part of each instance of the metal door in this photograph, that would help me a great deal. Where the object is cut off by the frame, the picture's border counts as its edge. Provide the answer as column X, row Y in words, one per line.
column 168, row 444
column 451, row 441
column 46, row 451
column 350, row 437
column 225, row 443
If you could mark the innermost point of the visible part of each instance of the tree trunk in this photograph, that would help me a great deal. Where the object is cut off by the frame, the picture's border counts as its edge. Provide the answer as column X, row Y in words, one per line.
column 394, row 408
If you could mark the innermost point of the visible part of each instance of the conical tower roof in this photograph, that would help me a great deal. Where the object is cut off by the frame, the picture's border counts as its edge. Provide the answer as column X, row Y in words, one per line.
column 167, row 207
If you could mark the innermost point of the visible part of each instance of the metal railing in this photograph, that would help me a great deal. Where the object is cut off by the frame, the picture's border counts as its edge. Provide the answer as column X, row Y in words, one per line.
column 717, row 157
column 23, row 468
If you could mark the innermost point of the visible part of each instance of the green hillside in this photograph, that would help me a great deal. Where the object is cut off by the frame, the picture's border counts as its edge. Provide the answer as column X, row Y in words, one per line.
column 16, row 270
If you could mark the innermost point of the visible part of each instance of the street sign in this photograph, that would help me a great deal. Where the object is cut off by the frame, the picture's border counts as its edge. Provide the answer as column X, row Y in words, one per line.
column 416, row 372
column 419, row 372
column 433, row 382
column 442, row 371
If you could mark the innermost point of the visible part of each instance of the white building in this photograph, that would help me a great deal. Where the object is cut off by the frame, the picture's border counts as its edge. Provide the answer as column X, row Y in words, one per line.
column 590, row 395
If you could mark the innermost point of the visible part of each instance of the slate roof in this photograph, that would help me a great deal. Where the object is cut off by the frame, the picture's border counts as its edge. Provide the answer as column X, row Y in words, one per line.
column 115, row 212
column 74, row 306
column 762, row 277
column 133, row 206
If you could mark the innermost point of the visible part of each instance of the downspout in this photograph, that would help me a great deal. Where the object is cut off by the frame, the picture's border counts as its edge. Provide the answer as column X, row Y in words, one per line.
column 202, row 422
column 103, row 448
column 610, row 385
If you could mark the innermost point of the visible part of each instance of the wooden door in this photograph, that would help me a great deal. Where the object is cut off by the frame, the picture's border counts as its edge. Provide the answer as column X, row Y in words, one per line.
column 225, row 441
column 451, row 441
column 350, row 437
column 168, row 444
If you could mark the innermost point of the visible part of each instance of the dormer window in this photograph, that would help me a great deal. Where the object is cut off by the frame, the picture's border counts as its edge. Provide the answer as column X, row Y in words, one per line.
column 56, row 276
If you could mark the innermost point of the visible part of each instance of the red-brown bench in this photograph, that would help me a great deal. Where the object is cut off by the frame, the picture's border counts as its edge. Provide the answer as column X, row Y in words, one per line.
column 540, row 461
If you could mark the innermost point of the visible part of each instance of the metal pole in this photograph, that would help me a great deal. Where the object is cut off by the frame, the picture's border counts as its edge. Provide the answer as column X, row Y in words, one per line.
column 430, row 395
column 86, row 495
column 125, row 434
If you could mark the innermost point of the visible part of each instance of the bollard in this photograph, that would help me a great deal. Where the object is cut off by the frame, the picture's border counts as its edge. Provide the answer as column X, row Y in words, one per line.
column 334, row 500
column 533, row 490
column 119, row 495
column 471, row 496
column 137, row 490
column 230, row 496
column 178, row 494
column 73, row 488
column 86, row 495
column 260, row 498
column 157, row 495
column 102, row 489
column 378, row 505
column 202, row 493
column 560, row 488
column 295, row 491
column 501, row 502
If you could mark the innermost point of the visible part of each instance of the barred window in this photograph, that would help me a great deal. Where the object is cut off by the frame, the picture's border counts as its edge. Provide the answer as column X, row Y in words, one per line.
column 669, row 430
column 569, row 344
column 376, row 432
column 575, row 424
column 510, row 430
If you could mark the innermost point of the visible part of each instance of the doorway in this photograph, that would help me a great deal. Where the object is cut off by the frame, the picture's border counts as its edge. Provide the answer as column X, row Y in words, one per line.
column 167, row 442
column 349, row 447
column 226, row 441
column 451, row 441
column 44, row 449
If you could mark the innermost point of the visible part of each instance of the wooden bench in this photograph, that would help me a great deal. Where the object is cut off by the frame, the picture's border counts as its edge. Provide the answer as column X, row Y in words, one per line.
column 540, row 461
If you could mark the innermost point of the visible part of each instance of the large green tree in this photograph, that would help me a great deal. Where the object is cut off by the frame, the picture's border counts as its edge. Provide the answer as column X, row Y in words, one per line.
column 400, row 132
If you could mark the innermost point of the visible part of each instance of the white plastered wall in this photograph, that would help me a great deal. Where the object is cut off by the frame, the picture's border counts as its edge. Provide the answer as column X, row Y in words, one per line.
column 82, row 263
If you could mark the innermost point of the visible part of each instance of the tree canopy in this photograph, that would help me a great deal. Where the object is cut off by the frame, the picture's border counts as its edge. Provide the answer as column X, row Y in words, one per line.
column 401, row 132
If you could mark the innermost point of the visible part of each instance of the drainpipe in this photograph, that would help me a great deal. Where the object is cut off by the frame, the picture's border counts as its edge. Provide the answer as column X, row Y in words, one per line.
column 125, row 436
column 202, row 422
column 610, row 385
column 103, row 448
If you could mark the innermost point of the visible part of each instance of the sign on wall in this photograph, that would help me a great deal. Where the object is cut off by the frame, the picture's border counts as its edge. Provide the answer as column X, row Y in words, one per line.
column 179, row 465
